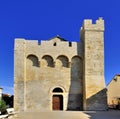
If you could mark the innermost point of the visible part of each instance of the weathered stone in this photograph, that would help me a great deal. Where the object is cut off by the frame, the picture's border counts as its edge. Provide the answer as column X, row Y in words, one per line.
column 74, row 70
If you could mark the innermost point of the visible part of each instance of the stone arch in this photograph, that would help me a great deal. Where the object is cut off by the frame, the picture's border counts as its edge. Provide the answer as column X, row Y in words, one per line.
column 76, row 56
column 32, row 60
column 47, row 61
column 62, row 61
column 54, row 91
column 76, row 67
column 57, row 98
column 57, row 90
column 55, row 87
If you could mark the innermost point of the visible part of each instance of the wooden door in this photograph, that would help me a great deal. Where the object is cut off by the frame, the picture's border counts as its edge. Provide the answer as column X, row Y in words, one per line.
column 56, row 102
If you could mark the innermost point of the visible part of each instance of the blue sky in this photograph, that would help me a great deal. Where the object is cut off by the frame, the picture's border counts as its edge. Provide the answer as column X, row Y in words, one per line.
column 44, row 19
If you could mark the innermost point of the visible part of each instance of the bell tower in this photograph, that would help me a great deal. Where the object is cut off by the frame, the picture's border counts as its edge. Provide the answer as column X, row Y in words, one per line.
column 92, row 36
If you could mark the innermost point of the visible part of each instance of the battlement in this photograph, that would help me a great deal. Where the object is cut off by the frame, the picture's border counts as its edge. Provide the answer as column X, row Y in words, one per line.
column 88, row 25
column 20, row 43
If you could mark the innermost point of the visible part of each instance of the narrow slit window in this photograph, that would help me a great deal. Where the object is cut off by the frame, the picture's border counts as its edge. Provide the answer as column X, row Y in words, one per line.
column 55, row 44
column 70, row 44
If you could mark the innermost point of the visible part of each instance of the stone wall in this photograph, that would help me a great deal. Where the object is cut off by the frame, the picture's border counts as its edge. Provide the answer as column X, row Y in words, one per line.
column 75, row 68
column 43, row 67
column 113, row 91
column 92, row 36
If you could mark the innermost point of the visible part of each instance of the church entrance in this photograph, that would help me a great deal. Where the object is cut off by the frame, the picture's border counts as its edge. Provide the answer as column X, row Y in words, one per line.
column 57, row 102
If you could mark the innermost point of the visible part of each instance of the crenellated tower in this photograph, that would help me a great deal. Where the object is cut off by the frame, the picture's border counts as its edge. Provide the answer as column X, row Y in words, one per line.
column 92, row 37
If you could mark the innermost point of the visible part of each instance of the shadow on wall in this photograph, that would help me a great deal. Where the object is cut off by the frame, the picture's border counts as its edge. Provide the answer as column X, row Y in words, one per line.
column 76, row 91
column 98, row 101
column 75, row 97
column 110, row 114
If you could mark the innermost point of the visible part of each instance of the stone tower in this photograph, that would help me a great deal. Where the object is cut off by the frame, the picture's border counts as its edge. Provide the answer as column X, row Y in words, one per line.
column 60, row 75
column 92, row 36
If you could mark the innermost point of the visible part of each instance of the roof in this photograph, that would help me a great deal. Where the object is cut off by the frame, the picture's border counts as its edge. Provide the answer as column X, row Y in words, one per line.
column 117, row 75
column 1, row 88
column 6, row 95
column 60, row 38
column 114, row 78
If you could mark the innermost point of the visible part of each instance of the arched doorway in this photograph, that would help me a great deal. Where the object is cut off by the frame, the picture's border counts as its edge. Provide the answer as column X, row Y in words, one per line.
column 57, row 99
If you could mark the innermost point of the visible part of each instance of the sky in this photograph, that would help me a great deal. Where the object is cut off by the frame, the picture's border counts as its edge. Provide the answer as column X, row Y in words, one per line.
column 44, row 19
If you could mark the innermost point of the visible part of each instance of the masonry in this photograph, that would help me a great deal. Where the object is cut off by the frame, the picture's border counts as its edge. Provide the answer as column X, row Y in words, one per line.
column 56, row 74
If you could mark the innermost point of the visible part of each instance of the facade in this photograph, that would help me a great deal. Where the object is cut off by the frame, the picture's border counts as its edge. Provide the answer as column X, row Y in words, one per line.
column 60, row 75
column 114, row 92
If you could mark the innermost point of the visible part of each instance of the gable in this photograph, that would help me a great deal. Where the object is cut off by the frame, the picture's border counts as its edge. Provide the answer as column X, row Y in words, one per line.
column 58, row 39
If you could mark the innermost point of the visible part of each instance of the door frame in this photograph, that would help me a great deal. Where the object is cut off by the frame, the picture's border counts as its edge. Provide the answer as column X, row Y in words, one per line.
column 61, row 101
column 64, row 95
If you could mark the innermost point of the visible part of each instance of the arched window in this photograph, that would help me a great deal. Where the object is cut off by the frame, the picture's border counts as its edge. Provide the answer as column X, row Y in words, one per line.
column 47, row 61
column 33, row 60
column 62, row 61
column 76, row 67
column 57, row 90
column 76, row 60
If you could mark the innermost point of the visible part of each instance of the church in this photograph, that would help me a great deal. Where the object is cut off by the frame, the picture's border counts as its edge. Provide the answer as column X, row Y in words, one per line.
column 57, row 74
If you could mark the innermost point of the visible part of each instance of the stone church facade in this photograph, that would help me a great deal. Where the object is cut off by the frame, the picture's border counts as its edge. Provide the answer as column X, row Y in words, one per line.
column 60, row 75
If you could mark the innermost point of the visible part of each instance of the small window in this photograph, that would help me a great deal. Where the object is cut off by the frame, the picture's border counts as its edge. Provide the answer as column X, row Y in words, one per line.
column 54, row 44
column 115, row 79
column 70, row 44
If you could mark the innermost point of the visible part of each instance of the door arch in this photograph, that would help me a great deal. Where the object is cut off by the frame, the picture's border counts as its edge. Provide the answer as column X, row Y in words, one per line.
column 57, row 99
